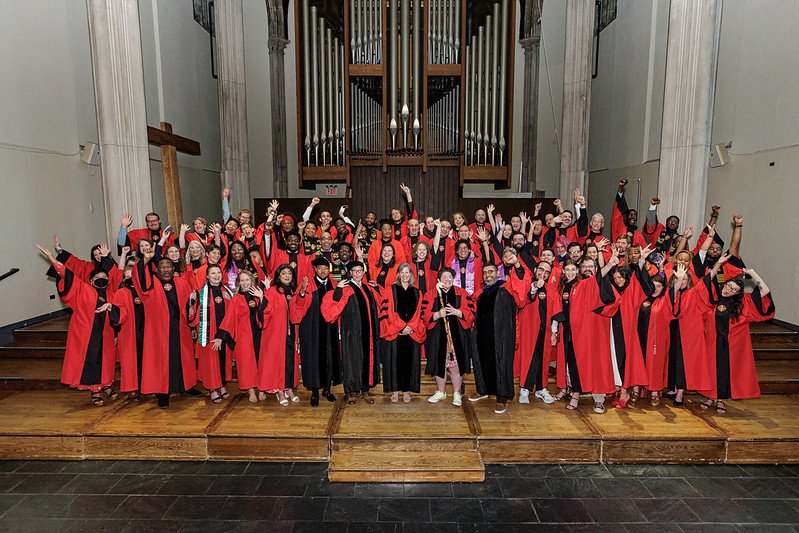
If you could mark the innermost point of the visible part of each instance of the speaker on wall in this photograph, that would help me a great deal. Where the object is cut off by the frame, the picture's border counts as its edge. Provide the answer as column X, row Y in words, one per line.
column 91, row 154
column 718, row 155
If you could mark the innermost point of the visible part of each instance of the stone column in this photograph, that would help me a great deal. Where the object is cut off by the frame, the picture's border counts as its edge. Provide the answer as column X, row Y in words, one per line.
column 694, row 27
column 576, row 97
column 229, row 26
column 530, row 42
column 530, row 45
column 118, row 73
column 277, row 99
column 277, row 95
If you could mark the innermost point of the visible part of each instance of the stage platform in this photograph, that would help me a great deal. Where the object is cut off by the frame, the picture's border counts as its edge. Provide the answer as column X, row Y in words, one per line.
column 418, row 441
column 400, row 442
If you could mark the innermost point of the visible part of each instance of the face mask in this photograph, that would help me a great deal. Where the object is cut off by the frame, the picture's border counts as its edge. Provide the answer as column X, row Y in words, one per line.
column 100, row 283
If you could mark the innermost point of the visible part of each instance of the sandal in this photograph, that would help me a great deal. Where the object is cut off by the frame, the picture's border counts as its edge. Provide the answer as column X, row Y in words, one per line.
column 110, row 393
column 224, row 393
column 368, row 398
column 97, row 399
column 394, row 397
column 707, row 404
column 636, row 395
column 562, row 394
column 573, row 402
column 655, row 400
column 352, row 399
column 720, row 407
column 406, row 397
column 281, row 399
column 215, row 397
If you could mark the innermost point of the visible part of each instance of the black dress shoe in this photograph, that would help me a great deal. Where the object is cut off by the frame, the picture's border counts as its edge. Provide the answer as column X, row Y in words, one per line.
column 163, row 400
column 315, row 401
column 329, row 396
column 678, row 403
column 193, row 392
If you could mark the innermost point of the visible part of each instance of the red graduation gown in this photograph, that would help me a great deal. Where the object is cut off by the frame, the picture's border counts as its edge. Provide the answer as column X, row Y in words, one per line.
column 590, row 337
column 689, row 309
column 302, row 266
column 373, row 257
column 130, row 339
column 155, row 378
column 626, row 306
column 729, row 345
column 619, row 227
column 208, row 365
column 278, row 365
column 241, row 331
column 533, row 334
column 89, row 356
column 655, row 339
column 136, row 235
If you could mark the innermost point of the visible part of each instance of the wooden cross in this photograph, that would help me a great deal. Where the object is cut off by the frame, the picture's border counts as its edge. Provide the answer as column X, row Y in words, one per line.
column 170, row 145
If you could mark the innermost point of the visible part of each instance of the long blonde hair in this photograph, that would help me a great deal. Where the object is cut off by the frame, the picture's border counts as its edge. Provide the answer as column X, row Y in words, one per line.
column 412, row 281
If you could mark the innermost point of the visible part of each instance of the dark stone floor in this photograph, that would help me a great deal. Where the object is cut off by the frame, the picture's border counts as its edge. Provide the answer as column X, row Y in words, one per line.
column 141, row 496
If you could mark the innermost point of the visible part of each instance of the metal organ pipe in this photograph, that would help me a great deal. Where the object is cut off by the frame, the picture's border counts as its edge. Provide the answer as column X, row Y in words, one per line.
column 331, row 53
column 313, row 81
column 306, row 76
column 494, row 81
column 321, row 89
column 405, row 80
column 503, row 59
column 392, row 71
column 417, row 70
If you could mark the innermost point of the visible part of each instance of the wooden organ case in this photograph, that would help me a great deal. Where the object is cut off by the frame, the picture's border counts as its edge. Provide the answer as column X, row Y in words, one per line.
column 405, row 83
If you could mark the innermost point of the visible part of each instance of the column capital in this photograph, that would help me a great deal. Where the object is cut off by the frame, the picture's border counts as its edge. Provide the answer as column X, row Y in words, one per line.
column 530, row 43
column 277, row 45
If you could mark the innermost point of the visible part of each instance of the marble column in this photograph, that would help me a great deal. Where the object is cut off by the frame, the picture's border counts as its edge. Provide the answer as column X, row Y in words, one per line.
column 115, row 41
column 229, row 25
column 277, row 95
column 694, row 27
column 576, row 97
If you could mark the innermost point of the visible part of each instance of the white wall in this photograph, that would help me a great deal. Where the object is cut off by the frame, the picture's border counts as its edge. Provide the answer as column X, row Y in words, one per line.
column 179, row 89
column 627, row 94
column 47, row 110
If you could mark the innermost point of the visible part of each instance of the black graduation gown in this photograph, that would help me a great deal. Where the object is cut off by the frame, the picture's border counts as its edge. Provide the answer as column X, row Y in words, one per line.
column 436, row 343
column 402, row 357
column 495, row 341
column 319, row 348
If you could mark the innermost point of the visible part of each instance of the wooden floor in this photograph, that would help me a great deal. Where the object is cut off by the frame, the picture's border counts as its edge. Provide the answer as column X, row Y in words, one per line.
column 389, row 441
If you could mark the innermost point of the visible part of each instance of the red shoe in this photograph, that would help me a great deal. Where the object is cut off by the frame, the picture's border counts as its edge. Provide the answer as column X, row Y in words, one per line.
column 621, row 404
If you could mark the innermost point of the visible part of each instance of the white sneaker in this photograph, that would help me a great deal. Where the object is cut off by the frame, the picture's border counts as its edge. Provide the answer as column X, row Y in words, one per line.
column 456, row 399
column 476, row 397
column 524, row 396
column 437, row 397
column 544, row 395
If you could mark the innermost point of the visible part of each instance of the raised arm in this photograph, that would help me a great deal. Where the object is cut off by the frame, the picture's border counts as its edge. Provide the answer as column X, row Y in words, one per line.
column 225, row 204
column 408, row 200
column 737, row 232
column 306, row 215
column 759, row 283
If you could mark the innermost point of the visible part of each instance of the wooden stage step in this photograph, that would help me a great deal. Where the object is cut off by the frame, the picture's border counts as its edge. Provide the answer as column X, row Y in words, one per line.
column 39, row 351
column 406, row 467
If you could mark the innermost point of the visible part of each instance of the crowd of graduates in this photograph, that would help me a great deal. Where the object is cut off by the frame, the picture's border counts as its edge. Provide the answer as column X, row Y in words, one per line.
column 626, row 314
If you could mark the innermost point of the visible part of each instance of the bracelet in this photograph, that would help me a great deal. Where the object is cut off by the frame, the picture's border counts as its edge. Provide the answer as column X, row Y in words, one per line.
column 739, row 225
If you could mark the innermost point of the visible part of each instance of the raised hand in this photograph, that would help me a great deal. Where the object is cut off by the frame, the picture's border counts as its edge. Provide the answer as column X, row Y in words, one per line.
column 47, row 254
column 711, row 229
column 301, row 225
column 499, row 220
column 344, row 283
column 622, row 183
column 556, row 220
column 714, row 210
column 267, row 283
column 688, row 233
column 148, row 255
column 578, row 196
column 125, row 250
column 184, row 228
column 557, row 203
column 601, row 243
column 538, row 207
column 646, row 251
column 482, row 234
column 217, row 228
column 737, row 219
column 226, row 192
column 437, row 222
column 304, row 284
column 57, row 244
column 279, row 218
column 104, row 250
column 342, row 209
column 655, row 201
column 273, row 205
column 525, row 219
column 680, row 272
column 405, row 188
column 256, row 291
column 539, row 283
column 724, row 258
column 127, row 220
column 315, row 201
column 490, row 209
